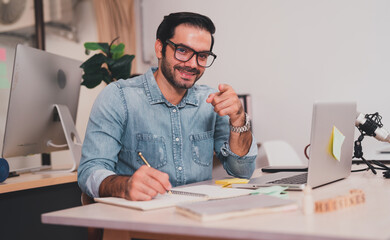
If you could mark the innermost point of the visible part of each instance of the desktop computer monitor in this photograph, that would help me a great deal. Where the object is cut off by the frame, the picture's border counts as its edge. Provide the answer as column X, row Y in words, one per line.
column 43, row 103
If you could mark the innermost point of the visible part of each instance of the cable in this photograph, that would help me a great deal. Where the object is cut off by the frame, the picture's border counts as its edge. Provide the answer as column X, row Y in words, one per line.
column 305, row 151
column 372, row 165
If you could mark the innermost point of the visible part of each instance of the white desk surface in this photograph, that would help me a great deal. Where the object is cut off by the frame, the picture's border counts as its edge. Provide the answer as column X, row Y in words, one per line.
column 370, row 220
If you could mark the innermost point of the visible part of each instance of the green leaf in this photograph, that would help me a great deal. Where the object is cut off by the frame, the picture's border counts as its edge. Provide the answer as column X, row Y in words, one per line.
column 118, row 55
column 107, row 78
column 117, row 48
column 97, row 46
column 113, row 57
column 117, row 51
column 92, row 80
column 94, row 63
column 120, row 69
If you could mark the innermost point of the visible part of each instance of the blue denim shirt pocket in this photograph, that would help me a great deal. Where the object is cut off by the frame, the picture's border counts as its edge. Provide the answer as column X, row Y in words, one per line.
column 202, row 145
column 153, row 148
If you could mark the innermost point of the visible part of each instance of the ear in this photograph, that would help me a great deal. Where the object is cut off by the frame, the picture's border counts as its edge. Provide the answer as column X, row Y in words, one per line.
column 158, row 46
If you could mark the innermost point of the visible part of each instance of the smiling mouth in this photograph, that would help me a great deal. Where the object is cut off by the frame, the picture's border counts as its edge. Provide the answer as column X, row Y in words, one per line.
column 187, row 72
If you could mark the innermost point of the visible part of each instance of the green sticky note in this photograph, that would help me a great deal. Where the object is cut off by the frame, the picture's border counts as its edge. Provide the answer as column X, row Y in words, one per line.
column 3, row 76
column 337, row 142
column 276, row 191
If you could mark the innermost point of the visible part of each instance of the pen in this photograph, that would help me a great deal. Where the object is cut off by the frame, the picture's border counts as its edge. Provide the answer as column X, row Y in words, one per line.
column 147, row 164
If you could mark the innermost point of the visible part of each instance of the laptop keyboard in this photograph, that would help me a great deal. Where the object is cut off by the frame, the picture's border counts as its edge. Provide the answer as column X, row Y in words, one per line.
column 296, row 179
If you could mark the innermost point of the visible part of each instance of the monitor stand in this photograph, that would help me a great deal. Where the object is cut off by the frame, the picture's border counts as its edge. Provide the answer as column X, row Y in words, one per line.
column 71, row 134
column 72, row 137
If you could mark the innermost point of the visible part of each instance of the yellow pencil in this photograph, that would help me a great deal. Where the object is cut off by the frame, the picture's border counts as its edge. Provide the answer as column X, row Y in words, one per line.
column 147, row 164
column 143, row 159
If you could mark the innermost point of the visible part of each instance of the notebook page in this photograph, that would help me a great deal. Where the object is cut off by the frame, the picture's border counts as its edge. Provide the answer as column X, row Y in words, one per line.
column 160, row 201
column 170, row 200
column 216, row 192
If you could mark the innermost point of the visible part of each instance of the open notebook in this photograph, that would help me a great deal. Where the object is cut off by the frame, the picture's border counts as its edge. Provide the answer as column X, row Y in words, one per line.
column 179, row 195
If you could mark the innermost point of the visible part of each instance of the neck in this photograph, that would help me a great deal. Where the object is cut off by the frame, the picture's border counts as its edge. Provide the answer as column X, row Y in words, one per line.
column 172, row 94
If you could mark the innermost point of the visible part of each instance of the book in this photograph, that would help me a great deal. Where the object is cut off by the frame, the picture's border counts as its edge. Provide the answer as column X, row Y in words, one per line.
column 179, row 195
column 235, row 207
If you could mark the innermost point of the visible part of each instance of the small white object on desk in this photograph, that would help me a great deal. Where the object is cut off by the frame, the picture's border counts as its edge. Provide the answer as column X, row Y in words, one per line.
column 307, row 202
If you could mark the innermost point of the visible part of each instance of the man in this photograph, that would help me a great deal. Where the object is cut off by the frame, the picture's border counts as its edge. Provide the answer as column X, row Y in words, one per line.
column 176, row 124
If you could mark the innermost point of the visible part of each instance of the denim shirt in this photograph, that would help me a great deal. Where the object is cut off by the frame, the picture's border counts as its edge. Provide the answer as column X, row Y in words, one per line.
column 131, row 116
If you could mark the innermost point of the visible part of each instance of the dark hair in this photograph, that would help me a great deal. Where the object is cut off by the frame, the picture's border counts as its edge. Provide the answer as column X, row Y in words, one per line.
column 167, row 27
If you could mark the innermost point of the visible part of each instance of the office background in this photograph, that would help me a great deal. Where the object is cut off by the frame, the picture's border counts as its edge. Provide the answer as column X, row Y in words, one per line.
column 285, row 54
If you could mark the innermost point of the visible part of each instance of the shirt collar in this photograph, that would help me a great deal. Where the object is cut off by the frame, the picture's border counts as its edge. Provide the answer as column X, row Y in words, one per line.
column 155, row 96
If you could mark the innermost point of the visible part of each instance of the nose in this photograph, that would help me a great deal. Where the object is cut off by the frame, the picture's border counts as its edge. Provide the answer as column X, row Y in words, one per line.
column 192, row 62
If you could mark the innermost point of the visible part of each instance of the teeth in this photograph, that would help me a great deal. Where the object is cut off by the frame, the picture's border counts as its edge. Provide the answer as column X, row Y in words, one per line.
column 188, row 73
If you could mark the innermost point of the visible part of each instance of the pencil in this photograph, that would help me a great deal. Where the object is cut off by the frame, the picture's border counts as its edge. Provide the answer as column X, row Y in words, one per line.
column 147, row 164
column 143, row 159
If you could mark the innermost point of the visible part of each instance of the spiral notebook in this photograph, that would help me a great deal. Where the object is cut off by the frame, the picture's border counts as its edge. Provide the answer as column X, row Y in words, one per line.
column 179, row 195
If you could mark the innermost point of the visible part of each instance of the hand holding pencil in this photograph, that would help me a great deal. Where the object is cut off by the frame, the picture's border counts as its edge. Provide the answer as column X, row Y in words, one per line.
column 146, row 183
column 147, row 164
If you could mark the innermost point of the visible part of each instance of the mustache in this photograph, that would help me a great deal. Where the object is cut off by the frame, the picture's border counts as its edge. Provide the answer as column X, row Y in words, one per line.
column 187, row 69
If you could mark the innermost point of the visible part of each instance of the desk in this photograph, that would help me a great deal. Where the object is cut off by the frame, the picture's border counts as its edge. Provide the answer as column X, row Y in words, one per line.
column 367, row 221
column 37, row 180
column 24, row 198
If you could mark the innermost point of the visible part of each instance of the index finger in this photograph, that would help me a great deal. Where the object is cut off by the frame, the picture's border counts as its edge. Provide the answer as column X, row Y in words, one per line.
column 223, row 87
column 161, row 180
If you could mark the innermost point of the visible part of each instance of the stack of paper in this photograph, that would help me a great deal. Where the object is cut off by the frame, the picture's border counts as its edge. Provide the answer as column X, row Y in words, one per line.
column 235, row 207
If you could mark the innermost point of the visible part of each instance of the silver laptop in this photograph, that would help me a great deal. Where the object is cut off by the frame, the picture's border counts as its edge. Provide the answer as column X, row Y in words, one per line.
column 330, row 157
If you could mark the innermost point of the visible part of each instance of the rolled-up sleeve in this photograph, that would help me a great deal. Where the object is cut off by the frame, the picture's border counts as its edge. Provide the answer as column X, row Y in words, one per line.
column 102, row 141
column 237, row 166
column 241, row 167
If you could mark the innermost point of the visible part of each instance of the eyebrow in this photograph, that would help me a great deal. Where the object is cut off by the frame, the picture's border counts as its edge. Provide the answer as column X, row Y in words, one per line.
column 205, row 51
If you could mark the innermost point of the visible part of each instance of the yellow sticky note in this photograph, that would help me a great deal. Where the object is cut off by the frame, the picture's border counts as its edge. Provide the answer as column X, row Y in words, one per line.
column 229, row 181
column 336, row 142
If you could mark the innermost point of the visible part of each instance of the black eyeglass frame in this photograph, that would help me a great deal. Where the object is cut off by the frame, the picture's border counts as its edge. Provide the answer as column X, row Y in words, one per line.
column 193, row 53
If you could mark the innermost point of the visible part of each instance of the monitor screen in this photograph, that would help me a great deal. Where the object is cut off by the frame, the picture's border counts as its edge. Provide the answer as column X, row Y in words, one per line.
column 40, row 82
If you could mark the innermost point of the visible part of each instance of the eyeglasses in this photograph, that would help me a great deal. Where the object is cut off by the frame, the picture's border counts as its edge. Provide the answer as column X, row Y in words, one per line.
column 184, row 54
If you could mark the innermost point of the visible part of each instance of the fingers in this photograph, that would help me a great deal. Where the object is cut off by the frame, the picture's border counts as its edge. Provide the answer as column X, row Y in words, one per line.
column 210, row 99
column 224, row 87
column 226, row 102
column 146, row 183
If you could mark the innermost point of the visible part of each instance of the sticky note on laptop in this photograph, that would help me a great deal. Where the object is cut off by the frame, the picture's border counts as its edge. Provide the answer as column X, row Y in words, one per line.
column 336, row 142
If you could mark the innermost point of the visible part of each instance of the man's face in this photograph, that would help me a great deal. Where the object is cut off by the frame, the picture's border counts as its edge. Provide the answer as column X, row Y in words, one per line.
column 185, row 74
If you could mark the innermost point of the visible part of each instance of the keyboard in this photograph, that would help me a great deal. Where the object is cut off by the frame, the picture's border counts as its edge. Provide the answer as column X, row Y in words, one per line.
column 296, row 179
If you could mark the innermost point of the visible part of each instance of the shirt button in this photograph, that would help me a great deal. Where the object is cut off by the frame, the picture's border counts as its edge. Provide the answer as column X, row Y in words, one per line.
column 177, row 139
column 174, row 110
column 180, row 168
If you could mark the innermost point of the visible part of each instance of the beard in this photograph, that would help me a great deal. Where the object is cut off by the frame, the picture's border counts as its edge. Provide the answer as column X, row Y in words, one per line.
column 168, row 72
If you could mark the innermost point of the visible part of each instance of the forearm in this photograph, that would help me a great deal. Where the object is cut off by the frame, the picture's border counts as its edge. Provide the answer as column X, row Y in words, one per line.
column 240, row 143
column 143, row 185
column 114, row 186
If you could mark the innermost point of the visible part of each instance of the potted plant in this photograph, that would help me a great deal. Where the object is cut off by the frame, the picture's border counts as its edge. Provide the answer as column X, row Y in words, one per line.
column 108, row 66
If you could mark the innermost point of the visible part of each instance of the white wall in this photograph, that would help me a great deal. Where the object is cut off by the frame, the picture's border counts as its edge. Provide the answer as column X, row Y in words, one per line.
column 86, row 32
column 86, row 27
column 289, row 53
column 285, row 53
